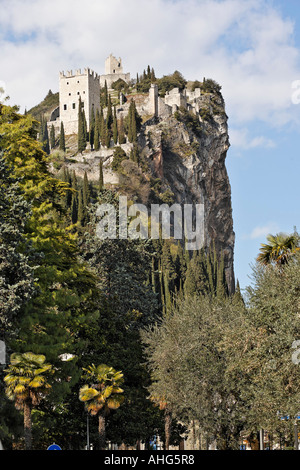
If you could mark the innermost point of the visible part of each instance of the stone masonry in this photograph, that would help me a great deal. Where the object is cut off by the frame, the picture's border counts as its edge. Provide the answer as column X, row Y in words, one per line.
column 87, row 84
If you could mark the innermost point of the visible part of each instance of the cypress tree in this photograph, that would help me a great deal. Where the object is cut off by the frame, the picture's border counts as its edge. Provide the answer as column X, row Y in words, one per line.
column 96, row 139
column 74, row 203
column 62, row 141
column 41, row 130
column 81, row 129
column 97, row 131
column 221, row 281
column 168, row 298
column 52, row 137
column 153, row 279
column 115, row 128
column 86, row 191
column 129, row 120
column 122, row 138
column 66, row 180
column 161, row 287
column 109, row 115
column 153, row 78
column 133, row 125
column 133, row 121
column 101, row 180
column 74, row 209
column 107, row 135
column 134, row 153
column 46, row 146
column 92, row 128
column 81, row 210
column 85, row 130
column 105, row 94
column 102, row 129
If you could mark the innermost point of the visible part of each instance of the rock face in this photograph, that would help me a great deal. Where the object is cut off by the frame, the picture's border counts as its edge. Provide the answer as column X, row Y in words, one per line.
column 184, row 154
column 187, row 152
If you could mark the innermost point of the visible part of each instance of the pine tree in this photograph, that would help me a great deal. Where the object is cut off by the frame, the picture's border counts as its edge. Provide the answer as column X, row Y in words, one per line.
column 52, row 137
column 62, row 141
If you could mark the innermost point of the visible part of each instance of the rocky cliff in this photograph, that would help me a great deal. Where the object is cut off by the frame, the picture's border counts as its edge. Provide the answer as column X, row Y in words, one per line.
column 181, row 159
column 187, row 152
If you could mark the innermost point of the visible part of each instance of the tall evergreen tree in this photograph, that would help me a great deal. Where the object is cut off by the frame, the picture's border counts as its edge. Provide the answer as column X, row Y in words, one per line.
column 62, row 140
column 16, row 272
column 52, row 137
column 81, row 209
column 115, row 129
column 101, row 180
column 81, row 136
column 122, row 138
column 86, row 191
column 97, row 131
column 92, row 128
column 105, row 94
column 85, row 128
column 107, row 134
column 109, row 115
column 102, row 129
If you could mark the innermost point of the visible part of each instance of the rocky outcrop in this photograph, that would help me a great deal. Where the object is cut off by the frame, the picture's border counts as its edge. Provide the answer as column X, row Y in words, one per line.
column 187, row 152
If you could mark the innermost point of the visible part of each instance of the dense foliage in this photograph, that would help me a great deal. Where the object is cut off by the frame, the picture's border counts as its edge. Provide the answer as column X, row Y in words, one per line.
column 188, row 352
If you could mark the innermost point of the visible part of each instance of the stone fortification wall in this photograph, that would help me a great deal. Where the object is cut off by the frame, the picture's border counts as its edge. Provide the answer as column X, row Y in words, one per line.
column 84, row 85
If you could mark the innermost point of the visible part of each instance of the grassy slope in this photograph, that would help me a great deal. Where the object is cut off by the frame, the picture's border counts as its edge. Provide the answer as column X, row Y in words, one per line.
column 46, row 106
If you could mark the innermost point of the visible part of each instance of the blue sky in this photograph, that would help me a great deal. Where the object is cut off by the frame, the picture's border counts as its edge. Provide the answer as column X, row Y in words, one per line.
column 250, row 47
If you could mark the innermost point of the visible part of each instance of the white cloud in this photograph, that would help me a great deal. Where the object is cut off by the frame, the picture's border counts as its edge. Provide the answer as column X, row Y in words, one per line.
column 246, row 46
column 262, row 231
column 241, row 139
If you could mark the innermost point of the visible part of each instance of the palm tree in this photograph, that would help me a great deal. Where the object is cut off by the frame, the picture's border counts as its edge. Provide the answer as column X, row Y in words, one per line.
column 162, row 403
column 279, row 249
column 27, row 384
column 102, row 396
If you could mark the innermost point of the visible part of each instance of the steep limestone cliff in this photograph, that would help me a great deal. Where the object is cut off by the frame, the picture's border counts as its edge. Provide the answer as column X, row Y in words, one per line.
column 187, row 152
column 182, row 159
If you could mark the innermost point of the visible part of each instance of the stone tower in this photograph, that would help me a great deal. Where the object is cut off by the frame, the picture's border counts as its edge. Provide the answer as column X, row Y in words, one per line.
column 113, row 71
column 113, row 65
column 84, row 85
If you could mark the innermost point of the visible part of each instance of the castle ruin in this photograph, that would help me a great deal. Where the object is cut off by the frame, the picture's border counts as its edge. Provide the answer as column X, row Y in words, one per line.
column 86, row 85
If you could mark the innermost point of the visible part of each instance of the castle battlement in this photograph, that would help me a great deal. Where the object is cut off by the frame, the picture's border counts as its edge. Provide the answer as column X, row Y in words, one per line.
column 78, row 72
column 85, row 85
